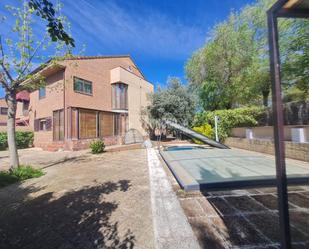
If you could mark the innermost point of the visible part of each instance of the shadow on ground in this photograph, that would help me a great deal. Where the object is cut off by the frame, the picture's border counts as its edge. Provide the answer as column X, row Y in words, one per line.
column 77, row 219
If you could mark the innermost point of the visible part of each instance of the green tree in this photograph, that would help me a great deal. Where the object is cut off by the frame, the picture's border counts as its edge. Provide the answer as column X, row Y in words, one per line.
column 18, row 49
column 173, row 103
column 296, row 57
column 232, row 69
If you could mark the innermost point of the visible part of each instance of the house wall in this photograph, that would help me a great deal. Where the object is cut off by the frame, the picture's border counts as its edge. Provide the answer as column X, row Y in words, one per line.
column 138, row 90
column 60, row 94
column 43, row 108
column 98, row 72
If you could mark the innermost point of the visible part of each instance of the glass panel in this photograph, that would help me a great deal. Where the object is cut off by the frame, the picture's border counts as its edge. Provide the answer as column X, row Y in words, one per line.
column 106, row 124
column 120, row 96
column 78, row 85
column 42, row 92
column 56, row 125
column 74, row 118
column 87, row 124
column 61, row 125
column 88, row 88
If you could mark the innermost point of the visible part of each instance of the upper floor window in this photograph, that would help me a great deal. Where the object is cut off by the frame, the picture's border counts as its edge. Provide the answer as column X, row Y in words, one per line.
column 120, row 96
column 42, row 92
column 3, row 110
column 82, row 86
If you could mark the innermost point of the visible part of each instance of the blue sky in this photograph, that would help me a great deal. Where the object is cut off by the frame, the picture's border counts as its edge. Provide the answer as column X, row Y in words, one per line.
column 159, row 35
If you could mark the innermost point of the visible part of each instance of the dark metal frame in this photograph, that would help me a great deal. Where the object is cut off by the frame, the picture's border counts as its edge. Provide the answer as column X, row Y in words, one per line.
column 275, row 12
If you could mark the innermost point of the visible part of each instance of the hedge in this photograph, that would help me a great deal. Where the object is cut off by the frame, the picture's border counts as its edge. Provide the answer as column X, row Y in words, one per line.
column 24, row 139
column 228, row 119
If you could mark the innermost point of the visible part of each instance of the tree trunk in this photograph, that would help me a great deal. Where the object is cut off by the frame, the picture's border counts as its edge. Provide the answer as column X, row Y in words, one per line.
column 265, row 98
column 11, row 102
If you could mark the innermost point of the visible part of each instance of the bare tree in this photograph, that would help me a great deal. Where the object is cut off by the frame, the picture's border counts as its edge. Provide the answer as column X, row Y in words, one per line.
column 20, row 46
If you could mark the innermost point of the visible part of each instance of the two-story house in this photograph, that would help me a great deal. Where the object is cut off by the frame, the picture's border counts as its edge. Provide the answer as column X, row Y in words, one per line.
column 85, row 98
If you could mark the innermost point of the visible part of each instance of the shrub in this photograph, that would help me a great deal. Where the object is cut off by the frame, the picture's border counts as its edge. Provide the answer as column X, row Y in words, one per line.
column 19, row 174
column 24, row 139
column 3, row 141
column 205, row 129
column 97, row 146
column 228, row 119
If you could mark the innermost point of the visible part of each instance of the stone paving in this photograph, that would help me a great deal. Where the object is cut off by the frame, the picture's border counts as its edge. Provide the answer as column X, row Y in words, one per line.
column 171, row 227
column 246, row 219
column 83, row 201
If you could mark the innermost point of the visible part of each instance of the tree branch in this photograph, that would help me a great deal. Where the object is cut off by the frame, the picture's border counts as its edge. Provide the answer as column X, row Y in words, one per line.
column 31, row 57
column 2, row 63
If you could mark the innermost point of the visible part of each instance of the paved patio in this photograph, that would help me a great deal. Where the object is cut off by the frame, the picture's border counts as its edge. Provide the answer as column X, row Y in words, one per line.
column 83, row 201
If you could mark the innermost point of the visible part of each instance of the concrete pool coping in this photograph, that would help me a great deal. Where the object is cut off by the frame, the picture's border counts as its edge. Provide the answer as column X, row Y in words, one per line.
column 189, row 183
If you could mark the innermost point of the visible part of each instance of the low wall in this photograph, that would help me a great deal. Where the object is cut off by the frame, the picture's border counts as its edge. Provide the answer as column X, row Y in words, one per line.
column 82, row 144
column 267, row 132
column 299, row 151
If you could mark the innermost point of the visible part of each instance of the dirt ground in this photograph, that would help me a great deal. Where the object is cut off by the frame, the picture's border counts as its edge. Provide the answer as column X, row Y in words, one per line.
column 82, row 201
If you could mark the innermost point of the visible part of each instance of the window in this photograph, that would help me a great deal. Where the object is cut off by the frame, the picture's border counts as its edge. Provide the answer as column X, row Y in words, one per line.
column 106, row 124
column 43, row 124
column 4, row 110
column 87, row 124
column 58, row 125
column 120, row 96
column 120, row 124
column 42, row 92
column 82, row 86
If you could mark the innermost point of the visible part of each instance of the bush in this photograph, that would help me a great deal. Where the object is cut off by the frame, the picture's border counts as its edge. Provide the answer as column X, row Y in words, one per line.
column 205, row 129
column 228, row 119
column 97, row 146
column 3, row 141
column 24, row 139
column 19, row 174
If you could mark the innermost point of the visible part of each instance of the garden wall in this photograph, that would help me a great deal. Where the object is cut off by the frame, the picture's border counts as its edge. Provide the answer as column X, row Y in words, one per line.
column 299, row 151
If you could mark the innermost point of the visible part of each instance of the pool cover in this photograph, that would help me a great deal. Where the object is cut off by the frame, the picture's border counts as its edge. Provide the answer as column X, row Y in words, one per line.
column 205, row 169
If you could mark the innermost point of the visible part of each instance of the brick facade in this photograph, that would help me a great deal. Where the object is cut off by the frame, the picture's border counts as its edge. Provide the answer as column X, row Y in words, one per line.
column 102, row 72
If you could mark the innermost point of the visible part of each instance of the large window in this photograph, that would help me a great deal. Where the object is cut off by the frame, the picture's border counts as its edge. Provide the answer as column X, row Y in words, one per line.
column 58, row 125
column 42, row 92
column 120, row 96
column 87, row 124
column 82, row 86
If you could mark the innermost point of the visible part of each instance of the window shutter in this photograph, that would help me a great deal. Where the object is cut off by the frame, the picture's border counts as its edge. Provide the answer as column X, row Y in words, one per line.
column 49, row 124
column 36, row 125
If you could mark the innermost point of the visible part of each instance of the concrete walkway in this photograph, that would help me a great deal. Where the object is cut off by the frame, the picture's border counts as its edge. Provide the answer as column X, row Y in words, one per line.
column 171, row 227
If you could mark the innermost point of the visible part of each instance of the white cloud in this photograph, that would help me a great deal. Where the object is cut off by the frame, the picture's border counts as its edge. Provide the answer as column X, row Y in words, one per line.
column 142, row 31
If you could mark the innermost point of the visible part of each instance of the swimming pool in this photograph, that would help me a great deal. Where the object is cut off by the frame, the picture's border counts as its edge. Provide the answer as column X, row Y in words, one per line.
column 183, row 147
column 197, row 168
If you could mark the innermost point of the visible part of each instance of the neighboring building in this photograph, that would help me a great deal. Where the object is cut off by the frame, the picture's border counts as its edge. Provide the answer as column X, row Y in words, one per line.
column 86, row 98
column 3, row 113
column 22, row 113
